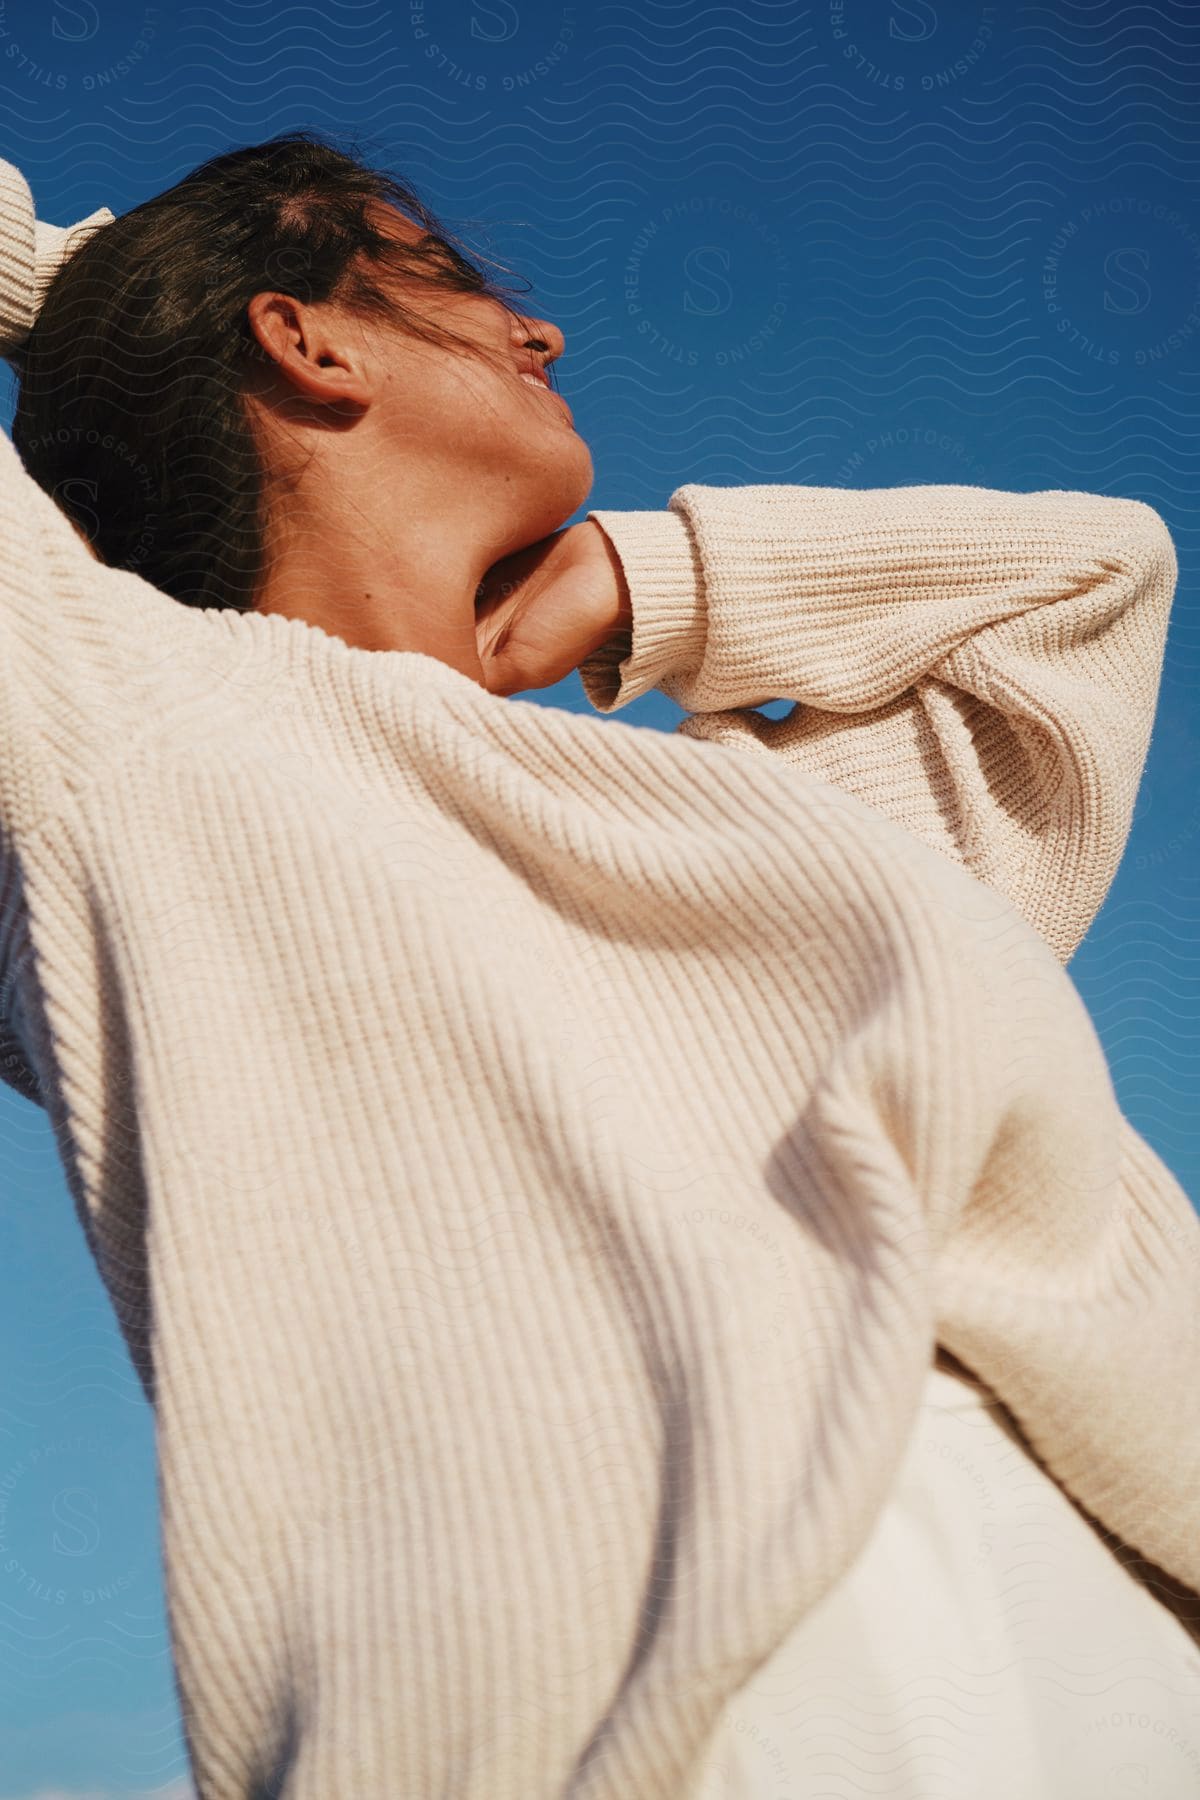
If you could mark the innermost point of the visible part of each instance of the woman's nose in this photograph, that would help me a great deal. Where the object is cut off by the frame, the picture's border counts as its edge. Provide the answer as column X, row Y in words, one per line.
column 539, row 334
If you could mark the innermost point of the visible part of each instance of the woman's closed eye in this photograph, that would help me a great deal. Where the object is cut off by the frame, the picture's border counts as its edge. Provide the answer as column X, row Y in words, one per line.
column 438, row 252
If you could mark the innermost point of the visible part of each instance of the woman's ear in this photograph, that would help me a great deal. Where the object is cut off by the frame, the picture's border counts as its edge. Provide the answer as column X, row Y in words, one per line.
column 313, row 348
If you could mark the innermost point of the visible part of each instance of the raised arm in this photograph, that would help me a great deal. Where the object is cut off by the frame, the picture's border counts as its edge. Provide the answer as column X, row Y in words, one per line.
column 981, row 666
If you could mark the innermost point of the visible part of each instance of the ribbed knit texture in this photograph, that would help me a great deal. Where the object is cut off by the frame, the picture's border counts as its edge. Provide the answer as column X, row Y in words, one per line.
column 532, row 1158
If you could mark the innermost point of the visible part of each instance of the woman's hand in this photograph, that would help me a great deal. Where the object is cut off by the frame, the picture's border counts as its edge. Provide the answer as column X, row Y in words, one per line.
column 539, row 612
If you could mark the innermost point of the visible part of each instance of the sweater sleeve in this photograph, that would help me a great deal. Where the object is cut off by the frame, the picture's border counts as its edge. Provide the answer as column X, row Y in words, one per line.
column 60, row 674
column 86, row 656
column 981, row 666
column 28, row 781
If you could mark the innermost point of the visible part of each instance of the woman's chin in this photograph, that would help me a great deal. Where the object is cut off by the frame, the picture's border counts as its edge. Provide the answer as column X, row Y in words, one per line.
column 579, row 467
column 566, row 483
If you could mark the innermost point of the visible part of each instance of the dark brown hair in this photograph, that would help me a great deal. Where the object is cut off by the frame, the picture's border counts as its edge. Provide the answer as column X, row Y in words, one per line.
column 130, row 409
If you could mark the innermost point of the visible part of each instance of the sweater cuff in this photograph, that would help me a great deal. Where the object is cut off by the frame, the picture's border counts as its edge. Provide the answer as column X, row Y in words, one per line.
column 668, row 604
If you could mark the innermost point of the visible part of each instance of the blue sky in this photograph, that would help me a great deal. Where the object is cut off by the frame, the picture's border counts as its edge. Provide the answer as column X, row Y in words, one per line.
column 846, row 244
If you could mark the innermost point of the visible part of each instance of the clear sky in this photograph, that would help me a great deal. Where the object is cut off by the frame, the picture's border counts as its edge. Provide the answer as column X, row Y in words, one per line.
column 848, row 243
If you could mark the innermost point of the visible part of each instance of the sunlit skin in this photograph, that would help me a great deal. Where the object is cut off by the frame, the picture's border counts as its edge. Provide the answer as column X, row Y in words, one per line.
column 403, row 472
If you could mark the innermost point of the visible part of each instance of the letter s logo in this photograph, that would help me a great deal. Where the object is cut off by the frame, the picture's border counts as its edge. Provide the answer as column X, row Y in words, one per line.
column 502, row 14
column 72, row 494
column 716, row 288
column 1133, row 1777
column 1138, row 290
column 725, row 1308
column 920, row 14
column 81, row 1517
column 75, row 24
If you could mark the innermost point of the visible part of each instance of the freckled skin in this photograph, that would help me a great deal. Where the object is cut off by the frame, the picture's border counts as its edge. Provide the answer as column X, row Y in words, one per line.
column 401, row 471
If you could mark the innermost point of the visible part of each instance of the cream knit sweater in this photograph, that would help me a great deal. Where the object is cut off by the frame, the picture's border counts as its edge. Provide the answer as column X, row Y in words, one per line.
column 533, row 1158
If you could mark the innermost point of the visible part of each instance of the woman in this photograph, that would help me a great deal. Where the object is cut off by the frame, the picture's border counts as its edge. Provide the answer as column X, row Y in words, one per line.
column 535, row 1161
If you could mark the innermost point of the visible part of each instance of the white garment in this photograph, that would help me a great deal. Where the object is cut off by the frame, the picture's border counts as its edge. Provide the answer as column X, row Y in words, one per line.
column 986, row 1645
column 530, row 1156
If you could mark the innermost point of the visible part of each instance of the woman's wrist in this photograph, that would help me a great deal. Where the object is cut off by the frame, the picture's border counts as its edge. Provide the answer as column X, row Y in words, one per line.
column 622, row 604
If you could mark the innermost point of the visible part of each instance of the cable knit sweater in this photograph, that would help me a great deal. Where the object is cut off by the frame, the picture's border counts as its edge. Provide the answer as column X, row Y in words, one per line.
column 533, row 1158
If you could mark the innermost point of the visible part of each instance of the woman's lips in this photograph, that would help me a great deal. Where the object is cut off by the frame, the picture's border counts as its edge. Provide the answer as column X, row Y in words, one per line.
column 539, row 381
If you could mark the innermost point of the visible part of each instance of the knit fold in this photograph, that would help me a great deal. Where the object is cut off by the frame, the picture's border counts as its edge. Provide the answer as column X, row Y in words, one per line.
column 666, row 581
